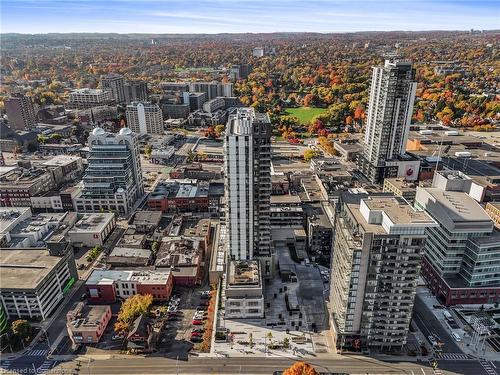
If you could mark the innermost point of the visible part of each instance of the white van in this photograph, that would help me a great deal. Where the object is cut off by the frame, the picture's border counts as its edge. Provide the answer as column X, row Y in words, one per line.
column 456, row 336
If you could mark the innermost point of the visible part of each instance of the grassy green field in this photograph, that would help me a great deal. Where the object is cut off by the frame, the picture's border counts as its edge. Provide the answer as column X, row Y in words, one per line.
column 305, row 114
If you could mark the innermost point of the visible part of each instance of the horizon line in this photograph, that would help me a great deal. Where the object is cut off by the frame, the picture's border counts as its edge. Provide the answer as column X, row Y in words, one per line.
column 261, row 33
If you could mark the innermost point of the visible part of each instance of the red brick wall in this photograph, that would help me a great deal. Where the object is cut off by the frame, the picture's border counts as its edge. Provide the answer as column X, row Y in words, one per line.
column 160, row 292
column 457, row 296
column 107, row 294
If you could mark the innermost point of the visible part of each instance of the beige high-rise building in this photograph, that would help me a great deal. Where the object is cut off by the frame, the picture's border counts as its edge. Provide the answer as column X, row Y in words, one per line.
column 378, row 249
column 144, row 118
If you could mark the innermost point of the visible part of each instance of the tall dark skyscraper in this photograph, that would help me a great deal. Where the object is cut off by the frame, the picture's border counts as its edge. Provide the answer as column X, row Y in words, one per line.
column 390, row 107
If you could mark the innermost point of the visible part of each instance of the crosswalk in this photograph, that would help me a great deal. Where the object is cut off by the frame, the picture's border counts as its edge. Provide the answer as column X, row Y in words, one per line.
column 487, row 367
column 453, row 356
column 46, row 366
column 37, row 353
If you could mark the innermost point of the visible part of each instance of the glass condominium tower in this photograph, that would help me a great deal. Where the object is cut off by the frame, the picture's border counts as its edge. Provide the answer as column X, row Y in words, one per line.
column 113, row 180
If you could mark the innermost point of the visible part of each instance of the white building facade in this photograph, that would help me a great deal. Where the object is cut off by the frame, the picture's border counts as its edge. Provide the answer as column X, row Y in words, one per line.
column 113, row 180
column 248, row 184
column 144, row 118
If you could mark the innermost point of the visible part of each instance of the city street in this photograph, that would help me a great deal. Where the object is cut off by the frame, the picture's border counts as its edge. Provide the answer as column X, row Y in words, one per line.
column 243, row 365
column 429, row 325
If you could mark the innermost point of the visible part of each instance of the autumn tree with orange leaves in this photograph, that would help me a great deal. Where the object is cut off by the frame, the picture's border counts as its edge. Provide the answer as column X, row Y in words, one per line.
column 300, row 368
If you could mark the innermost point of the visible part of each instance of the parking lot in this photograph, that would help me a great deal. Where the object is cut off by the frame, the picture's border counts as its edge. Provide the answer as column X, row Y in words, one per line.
column 176, row 338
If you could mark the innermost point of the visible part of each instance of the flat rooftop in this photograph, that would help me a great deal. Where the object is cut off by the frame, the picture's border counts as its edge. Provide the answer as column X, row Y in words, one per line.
column 194, row 227
column 107, row 277
column 92, row 222
column 9, row 215
column 130, row 252
column 147, row 217
column 180, row 189
column 25, row 269
column 398, row 211
column 407, row 186
column 210, row 146
column 457, row 205
column 87, row 316
column 285, row 199
column 61, row 160
column 244, row 273
column 178, row 252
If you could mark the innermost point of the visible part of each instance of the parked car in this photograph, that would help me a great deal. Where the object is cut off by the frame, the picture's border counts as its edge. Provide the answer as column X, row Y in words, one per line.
column 197, row 322
column 199, row 329
column 196, row 339
column 456, row 336
column 199, row 334
column 199, row 316
column 117, row 337
column 202, row 308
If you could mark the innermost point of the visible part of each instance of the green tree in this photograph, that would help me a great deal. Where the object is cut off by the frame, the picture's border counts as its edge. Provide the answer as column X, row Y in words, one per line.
column 22, row 329
column 219, row 129
column 310, row 154
column 154, row 247
column 134, row 306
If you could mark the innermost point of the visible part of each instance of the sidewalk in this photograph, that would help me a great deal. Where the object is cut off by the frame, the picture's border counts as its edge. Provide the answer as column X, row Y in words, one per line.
column 463, row 331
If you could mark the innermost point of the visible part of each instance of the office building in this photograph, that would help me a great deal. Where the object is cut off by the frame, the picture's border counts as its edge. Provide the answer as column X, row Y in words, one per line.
column 258, row 52
column 212, row 89
column 92, row 229
column 175, row 111
column 106, row 286
column 34, row 282
column 183, row 257
column 247, row 164
column 180, row 196
column 113, row 179
column 196, row 100
column 214, row 105
column 378, row 249
column 20, row 112
column 144, row 118
column 244, row 291
column 115, row 85
column 88, row 98
column 174, row 87
column 319, row 233
column 18, row 185
column 239, row 71
column 390, row 107
column 129, row 257
column 286, row 211
column 136, row 91
column 86, row 324
column 462, row 254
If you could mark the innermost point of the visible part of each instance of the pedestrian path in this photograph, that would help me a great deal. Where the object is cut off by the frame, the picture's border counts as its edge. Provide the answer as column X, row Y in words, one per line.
column 454, row 356
column 37, row 353
column 46, row 366
column 487, row 367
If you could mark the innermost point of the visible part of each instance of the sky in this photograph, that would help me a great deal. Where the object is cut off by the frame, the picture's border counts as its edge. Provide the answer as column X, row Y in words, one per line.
column 242, row 16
